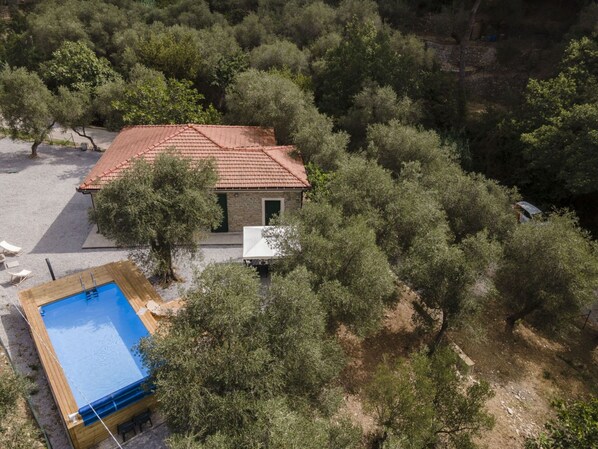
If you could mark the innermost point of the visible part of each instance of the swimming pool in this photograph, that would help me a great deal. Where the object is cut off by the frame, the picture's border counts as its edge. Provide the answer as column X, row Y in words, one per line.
column 94, row 336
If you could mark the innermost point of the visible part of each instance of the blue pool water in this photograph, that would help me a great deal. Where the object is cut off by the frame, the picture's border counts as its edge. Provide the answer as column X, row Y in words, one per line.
column 94, row 340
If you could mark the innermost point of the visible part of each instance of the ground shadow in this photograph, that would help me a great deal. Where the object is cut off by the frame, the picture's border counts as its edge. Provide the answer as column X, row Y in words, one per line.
column 16, row 158
column 69, row 230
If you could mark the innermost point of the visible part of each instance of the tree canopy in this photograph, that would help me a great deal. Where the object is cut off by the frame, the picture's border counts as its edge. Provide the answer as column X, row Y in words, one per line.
column 424, row 402
column 26, row 104
column 575, row 427
column 75, row 66
column 152, row 99
column 557, row 124
column 238, row 370
column 164, row 205
column 549, row 272
column 349, row 273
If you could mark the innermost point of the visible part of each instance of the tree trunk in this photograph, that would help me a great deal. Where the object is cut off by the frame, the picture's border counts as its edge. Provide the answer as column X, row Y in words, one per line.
column 84, row 134
column 379, row 440
column 463, row 42
column 512, row 319
column 163, row 253
column 441, row 333
column 39, row 140
column 33, row 154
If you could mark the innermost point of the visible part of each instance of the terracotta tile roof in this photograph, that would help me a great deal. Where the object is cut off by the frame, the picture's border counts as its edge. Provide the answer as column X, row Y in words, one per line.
column 246, row 157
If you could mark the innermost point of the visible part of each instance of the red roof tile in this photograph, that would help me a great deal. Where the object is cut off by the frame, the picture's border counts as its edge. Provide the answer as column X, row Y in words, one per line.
column 246, row 157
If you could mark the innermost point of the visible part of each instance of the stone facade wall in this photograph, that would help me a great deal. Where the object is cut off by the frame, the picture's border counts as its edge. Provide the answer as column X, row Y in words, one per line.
column 245, row 208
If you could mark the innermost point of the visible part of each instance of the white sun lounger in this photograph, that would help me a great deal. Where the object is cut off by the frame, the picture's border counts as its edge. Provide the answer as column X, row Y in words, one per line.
column 17, row 278
column 7, row 248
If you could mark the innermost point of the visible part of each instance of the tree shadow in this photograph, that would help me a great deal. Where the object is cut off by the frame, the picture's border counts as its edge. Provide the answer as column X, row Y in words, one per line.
column 397, row 338
column 15, row 158
column 69, row 230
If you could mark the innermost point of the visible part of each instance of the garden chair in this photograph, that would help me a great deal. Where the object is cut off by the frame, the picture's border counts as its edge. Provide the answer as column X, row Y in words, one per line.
column 18, row 278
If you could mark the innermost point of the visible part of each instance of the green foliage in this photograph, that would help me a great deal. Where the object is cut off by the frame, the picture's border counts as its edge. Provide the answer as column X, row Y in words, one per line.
column 443, row 274
column 363, row 188
column 319, row 181
column 549, row 272
column 26, row 105
column 304, row 82
column 251, row 32
column 16, row 431
column 306, row 23
column 105, row 95
column 395, row 144
column 171, row 50
column 12, row 388
column 269, row 99
column 279, row 55
column 317, row 141
column 349, row 272
column 296, row 324
column 75, row 66
column 259, row 98
column 239, row 370
column 424, row 402
column 364, row 10
column 557, row 126
column 74, row 110
column 375, row 104
column 164, row 205
column 93, row 22
column 190, row 13
column 576, row 427
column 215, row 44
column 151, row 99
column 472, row 202
column 370, row 54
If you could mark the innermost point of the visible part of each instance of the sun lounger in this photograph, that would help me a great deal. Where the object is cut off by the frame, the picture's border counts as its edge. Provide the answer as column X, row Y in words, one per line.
column 17, row 278
column 7, row 248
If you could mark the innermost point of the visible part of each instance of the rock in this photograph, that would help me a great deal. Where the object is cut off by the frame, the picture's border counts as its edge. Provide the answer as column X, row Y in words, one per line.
column 509, row 410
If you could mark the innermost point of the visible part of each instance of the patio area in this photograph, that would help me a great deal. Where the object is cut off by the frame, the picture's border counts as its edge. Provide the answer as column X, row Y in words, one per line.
column 43, row 214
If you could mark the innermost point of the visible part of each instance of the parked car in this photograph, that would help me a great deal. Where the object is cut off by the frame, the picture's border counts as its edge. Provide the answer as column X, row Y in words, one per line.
column 526, row 211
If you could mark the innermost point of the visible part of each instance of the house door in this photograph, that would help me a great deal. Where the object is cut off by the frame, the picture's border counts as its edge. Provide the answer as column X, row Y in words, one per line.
column 224, row 206
column 272, row 208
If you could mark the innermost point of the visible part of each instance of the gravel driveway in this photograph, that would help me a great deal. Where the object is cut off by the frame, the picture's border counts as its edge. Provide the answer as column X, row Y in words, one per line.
column 42, row 212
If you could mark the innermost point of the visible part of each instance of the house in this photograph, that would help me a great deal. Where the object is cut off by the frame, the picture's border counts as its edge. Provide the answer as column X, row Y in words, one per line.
column 257, row 179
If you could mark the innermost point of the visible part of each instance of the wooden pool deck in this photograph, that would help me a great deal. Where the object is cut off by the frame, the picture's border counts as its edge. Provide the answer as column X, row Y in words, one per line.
column 137, row 290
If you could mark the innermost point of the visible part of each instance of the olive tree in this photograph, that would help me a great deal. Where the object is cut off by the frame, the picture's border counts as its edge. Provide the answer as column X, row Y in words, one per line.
column 575, row 427
column 74, row 110
column 164, row 204
column 444, row 273
column 152, row 99
column 549, row 272
column 349, row 272
column 238, row 369
column 75, row 66
column 26, row 105
column 269, row 99
column 423, row 403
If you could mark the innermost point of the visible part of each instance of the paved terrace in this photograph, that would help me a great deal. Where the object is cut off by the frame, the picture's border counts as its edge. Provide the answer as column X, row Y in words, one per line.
column 42, row 212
